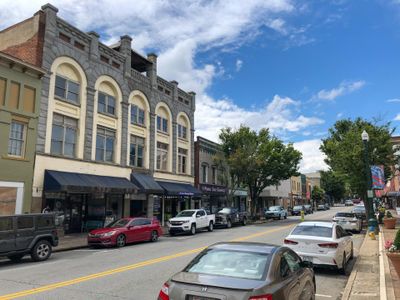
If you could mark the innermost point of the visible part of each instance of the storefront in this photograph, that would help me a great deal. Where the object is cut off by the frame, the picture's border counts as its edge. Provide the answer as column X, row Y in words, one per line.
column 214, row 197
column 240, row 198
column 176, row 197
column 83, row 201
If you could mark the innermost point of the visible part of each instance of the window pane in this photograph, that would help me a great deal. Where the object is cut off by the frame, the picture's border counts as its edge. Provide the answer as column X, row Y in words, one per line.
column 140, row 162
column 165, row 125
column 29, row 99
column 134, row 114
column 69, row 149
column 132, row 154
column 70, row 136
column 6, row 224
column 101, row 106
column 109, row 148
column 14, row 95
column 141, row 117
column 73, row 91
column 184, row 132
column 158, row 123
column 111, row 105
column 24, row 222
column 56, row 147
column 60, row 86
column 100, row 143
column 2, row 91
column 57, row 133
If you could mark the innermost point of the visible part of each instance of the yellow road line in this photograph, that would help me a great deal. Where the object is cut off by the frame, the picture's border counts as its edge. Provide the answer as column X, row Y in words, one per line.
column 126, row 268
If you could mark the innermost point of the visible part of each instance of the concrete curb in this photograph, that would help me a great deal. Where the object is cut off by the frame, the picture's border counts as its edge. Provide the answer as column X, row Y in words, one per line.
column 70, row 248
column 390, row 295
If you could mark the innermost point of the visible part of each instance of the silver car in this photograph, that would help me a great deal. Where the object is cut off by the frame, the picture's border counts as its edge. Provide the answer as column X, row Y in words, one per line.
column 348, row 221
column 242, row 271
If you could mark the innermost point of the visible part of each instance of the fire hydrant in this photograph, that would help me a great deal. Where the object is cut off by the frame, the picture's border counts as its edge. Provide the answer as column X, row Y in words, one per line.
column 302, row 215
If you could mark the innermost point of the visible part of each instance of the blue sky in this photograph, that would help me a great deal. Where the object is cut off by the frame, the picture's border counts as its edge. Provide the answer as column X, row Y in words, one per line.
column 294, row 67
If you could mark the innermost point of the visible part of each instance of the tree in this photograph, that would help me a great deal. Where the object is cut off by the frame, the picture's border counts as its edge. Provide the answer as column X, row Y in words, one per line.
column 317, row 194
column 344, row 151
column 333, row 184
column 258, row 160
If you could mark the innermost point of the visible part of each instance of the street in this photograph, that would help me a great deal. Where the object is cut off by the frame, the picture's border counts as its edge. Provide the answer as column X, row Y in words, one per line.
column 138, row 271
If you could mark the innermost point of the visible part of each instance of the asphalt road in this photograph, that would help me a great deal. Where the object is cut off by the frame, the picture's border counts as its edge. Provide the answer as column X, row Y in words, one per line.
column 138, row 271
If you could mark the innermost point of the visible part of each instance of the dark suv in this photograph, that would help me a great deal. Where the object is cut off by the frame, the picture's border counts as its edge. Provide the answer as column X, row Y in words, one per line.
column 33, row 234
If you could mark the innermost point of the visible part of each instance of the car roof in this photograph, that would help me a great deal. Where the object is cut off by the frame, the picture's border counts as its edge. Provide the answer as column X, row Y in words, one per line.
column 321, row 224
column 246, row 246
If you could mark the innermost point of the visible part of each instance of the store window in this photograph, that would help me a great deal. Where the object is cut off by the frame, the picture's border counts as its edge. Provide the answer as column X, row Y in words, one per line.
column 162, row 156
column 106, row 104
column 64, row 135
column 162, row 124
column 137, row 115
column 67, row 90
column 182, row 160
column 182, row 131
column 105, row 141
column 17, row 137
column 136, row 152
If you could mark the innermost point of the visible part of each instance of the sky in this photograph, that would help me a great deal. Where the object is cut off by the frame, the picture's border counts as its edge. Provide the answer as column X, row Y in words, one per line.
column 295, row 67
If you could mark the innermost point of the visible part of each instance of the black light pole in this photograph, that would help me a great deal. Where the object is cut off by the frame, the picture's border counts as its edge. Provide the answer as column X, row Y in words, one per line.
column 370, row 209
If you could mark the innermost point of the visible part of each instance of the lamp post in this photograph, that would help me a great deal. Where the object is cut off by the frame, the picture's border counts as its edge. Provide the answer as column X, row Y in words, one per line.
column 370, row 210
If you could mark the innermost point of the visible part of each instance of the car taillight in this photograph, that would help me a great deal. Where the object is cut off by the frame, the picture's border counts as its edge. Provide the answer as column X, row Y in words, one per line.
column 261, row 297
column 328, row 245
column 290, row 242
column 164, row 293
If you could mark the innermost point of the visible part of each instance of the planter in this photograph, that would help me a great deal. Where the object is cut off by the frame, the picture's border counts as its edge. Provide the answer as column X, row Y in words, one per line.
column 395, row 259
column 389, row 223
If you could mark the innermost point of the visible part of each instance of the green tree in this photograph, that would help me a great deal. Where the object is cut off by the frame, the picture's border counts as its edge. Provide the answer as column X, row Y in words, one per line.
column 258, row 160
column 317, row 195
column 344, row 151
column 333, row 184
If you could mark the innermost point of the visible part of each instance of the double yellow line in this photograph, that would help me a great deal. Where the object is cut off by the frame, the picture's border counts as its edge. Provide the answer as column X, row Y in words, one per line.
column 126, row 268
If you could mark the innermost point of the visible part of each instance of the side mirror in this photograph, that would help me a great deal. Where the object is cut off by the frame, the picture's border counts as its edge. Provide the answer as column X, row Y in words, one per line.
column 306, row 264
column 198, row 216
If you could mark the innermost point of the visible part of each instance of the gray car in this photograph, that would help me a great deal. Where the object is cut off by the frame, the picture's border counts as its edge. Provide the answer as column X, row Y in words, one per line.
column 242, row 271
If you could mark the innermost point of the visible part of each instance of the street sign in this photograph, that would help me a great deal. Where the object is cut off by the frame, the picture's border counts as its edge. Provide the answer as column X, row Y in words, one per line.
column 370, row 194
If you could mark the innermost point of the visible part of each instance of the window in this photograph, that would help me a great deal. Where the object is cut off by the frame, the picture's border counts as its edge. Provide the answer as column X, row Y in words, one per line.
column 45, row 221
column 63, row 136
column 136, row 152
column 162, row 156
column 321, row 231
column 24, row 222
column 204, row 169
column 182, row 160
column 293, row 261
column 16, row 142
column 105, row 144
column 182, row 132
column 162, row 124
column 137, row 115
column 29, row 99
column 340, row 232
column 13, row 100
column 3, row 84
column 214, row 175
column 67, row 89
column 284, row 268
column 6, row 224
column 106, row 104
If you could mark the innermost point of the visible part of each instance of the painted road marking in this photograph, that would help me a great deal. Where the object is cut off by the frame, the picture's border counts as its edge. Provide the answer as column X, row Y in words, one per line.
column 127, row 268
column 323, row 296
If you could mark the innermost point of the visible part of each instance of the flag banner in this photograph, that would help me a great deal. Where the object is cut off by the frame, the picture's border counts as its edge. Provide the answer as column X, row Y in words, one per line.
column 378, row 177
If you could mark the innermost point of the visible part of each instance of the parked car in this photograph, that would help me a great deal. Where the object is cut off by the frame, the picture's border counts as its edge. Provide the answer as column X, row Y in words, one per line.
column 242, row 271
column 229, row 216
column 360, row 212
column 322, row 243
column 33, row 234
column 190, row 221
column 309, row 209
column 327, row 206
column 276, row 212
column 321, row 207
column 296, row 211
column 348, row 203
column 124, row 231
column 348, row 221
column 356, row 201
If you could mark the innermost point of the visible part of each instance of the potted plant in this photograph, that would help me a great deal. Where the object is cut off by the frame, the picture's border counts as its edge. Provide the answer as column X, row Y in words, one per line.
column 393, row 252
column 388, row 221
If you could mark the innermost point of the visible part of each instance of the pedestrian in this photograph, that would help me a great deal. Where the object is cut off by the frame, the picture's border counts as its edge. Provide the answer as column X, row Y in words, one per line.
column 46, row 210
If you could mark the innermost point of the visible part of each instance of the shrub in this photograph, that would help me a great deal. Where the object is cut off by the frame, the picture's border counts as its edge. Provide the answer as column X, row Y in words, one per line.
column 389, row 215
column 396, row 241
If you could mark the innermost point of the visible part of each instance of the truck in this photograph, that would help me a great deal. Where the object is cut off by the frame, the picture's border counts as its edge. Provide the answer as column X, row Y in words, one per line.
column 191, row 220
column 229, row 216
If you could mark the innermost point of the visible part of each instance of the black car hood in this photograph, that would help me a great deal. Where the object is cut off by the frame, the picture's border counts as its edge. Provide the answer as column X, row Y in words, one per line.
column 217, row 281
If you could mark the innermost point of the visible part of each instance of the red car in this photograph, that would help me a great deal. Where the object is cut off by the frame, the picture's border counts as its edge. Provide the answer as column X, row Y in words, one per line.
column 124, row 231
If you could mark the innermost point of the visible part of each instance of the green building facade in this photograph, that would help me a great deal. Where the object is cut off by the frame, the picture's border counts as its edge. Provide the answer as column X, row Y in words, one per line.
column 20, row 88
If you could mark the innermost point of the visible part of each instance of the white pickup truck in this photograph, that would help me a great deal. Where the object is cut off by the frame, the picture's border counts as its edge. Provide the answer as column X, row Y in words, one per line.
column 191, row 220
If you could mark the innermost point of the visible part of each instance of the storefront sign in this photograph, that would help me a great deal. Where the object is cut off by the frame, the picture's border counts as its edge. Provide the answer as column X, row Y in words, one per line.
column 212, row 189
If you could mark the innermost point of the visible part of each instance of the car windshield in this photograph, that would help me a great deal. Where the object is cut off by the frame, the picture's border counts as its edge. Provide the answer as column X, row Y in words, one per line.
column 239, row 264
column 321, row 231
column 118, row 223
column 225, row 211
column 321, row 205
column 298, row 207
column 359, row 209
column 185, row 213
column 344, row 214
column 307, row 205
column 274, row 208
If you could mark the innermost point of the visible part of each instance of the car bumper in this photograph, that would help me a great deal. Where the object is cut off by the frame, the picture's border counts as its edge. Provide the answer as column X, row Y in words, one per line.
column 271, row 216
column 101, row 242
column 325, row 259
column 295, row 213
column 349, row 226
column 179, row 229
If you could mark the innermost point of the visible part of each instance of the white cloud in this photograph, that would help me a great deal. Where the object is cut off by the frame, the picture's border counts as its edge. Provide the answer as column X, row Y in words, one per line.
column 239, row 65
column 397, row 118
column 394, row 99
column 344, row 88
column 313, row 158
column 339, row 115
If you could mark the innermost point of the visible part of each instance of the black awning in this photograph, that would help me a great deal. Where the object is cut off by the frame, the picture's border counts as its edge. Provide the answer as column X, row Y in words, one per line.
column 56, row 181
column 146, row 183
column 179, row 189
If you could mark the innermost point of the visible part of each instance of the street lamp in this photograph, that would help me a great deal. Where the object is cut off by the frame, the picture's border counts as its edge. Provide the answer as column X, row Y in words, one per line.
column 370, row 209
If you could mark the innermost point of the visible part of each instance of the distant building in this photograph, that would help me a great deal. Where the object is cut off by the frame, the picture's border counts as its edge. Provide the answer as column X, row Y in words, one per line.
column 392, row 188
column 20, row 88
column 296, row 191
column 277, row 195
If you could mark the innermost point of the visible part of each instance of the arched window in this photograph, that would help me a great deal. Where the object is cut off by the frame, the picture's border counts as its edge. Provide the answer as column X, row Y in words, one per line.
column 106, row 99
column 163, row 138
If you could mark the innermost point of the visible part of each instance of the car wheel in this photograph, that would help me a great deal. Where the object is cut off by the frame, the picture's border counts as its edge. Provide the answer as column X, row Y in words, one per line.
column 342, row 270
column 244, row 221
column 228, row 224
column 121, row 240
column 15, row 258
column 41, row 251
column 210, row 226
column 193, row 229
column 307, row 293
column 285, row 217
column 154, row 236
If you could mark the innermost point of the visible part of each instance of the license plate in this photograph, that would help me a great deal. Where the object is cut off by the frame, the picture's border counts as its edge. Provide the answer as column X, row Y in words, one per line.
column 342, row 222
column 307, row 258
column 200, row 298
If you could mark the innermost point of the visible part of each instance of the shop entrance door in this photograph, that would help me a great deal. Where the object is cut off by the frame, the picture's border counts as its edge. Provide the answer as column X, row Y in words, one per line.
column 75, row 210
